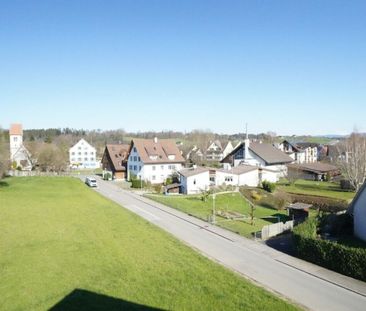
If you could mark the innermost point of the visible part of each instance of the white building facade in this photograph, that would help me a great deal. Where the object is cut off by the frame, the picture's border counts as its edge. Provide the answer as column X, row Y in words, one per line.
column 154, row 160
column 358, row 210
column 194, row 180
column 83, row 155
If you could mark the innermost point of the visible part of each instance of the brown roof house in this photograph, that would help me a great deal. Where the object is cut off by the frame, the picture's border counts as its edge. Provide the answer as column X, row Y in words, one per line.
column 19, row 155
column 114, row 160
column 258, row 154
column 154, row 160
column 313, row 171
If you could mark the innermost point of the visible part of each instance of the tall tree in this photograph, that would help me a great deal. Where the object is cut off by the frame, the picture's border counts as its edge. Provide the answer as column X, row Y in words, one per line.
column 4, row 154
column 352, row 159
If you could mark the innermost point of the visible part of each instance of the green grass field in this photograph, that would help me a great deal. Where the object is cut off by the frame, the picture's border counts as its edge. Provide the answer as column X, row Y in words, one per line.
column 63, row 244
column 193, row 205
column 325, row 189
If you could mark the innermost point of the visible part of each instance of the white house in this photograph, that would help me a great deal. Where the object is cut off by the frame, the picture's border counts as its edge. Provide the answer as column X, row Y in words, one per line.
column 358, row 210
column 194, row 154
column 194, row 180
column 300, row 152
column 262, row 155
column 214, row 151
column 18, row 153
column 83, row 155
column 154, row 160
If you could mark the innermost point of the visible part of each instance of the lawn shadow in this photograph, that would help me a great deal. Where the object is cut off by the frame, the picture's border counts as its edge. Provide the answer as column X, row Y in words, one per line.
column 282, row 243
column 276, row 217
column 83, row 300
column 3, row 184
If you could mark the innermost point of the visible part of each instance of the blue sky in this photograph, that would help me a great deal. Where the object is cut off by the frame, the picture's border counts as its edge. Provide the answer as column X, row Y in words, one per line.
column 293, row 67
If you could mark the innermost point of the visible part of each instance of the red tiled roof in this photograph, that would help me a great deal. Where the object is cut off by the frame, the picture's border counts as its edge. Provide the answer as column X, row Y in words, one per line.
column 157, row 152
column 16, row 129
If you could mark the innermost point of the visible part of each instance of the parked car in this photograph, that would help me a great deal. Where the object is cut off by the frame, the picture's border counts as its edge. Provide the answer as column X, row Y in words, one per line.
column 91, row 182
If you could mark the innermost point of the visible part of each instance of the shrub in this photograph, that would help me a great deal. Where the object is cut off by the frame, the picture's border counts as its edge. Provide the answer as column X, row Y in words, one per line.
column 169, row 181
column 268, row 186
column 347, row 260
column 157, row 188
column 138, row 183
column 255, row 195
column 325, row 204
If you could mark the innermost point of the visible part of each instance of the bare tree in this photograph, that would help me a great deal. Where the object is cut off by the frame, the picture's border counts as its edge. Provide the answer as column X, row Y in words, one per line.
column 51, row 158
column 201, row 138
column 352, row 159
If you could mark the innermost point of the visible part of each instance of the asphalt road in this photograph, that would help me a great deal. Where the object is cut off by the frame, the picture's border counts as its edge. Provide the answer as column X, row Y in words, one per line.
column 298, row 281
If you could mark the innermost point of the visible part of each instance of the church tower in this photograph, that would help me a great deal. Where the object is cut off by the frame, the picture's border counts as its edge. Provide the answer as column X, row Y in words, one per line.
column 16, row 139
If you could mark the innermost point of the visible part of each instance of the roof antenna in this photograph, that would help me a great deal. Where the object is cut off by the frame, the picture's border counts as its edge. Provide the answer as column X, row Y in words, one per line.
column 246, row 130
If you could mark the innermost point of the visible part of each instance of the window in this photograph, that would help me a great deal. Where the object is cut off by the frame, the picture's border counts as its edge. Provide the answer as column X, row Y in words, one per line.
column 91, row 159
column 135, row 167
column 72, row 159
column 194, row 181
column 72, row 153
column 85, row 159
column 173, row 167
column 91, row 153
column 85, row 153
column 139, row 159
column 140, row 168
column 15, row 139
column 79, row 159
column 135, row 158
column 153, row 167
column 130, row 167
column 131, row 158
column 153, row 177
column 134, row 149
column 162, row 167
column 79, row 153
column 79, row 148
column 228, row 178
column 169, row 167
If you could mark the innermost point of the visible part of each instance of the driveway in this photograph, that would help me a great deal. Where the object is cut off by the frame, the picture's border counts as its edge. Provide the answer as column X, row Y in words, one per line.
column 309, row 285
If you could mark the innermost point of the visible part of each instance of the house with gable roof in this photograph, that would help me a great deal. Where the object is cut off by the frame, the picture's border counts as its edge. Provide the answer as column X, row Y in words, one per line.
column 83, row 155
column 154, row 160
column 114, row 160
column 300, row 152
column 259, row 154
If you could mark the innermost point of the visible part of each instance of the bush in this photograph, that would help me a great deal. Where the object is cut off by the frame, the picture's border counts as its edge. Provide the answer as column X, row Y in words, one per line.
column 157, row 188
column 347, row 260
column 138, row 183
column 325, row 204
column 168, row 181
column 268, row 186
column 255, row 195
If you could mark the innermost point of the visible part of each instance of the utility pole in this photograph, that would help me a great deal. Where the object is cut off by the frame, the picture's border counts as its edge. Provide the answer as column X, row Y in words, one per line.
column 213, row 209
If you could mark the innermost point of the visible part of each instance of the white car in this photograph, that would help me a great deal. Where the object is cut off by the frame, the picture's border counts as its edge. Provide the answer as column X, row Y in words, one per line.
column 91, row 182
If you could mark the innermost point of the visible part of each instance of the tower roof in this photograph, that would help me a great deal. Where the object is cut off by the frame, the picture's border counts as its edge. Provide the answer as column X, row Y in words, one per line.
column 16, row 129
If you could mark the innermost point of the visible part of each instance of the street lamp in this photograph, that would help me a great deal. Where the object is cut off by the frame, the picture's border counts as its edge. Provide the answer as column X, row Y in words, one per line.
column 213, row 208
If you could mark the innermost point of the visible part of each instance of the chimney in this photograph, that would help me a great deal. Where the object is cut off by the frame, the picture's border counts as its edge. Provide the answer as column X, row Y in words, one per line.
column 246, row 143
column 155, row 140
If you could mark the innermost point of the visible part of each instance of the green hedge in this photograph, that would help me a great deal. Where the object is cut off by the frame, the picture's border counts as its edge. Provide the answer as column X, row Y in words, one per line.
column 346, row 260
column 325, row 204
column 268, row 186
column 137, row 183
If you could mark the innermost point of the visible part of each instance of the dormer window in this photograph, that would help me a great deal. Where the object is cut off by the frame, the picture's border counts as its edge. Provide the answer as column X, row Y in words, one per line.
column 153, row 157
column 171, row 156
